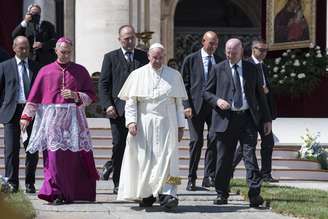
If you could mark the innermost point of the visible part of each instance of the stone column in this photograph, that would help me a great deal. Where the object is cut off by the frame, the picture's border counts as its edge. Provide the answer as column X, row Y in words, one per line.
column 69, row 21
column 155, row 20
column 96, row 30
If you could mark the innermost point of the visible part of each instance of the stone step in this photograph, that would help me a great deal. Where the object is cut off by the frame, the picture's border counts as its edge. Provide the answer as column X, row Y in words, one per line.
column 280, row 173
column 276, row 163
column 106, row 150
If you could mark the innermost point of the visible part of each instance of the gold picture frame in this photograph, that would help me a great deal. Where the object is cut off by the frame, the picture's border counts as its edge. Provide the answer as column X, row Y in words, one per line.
column 290, row 24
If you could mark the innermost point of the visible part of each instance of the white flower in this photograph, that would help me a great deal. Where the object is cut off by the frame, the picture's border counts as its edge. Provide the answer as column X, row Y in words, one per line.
column 275, row 75
column 307, row 55
column 311, row 45
column 277, row 60
column 301, row 75
column 282, row 71
column 317, row 47
column 283, row 66
column 293, row 56
column 275, row 69
column 304, row 63
column 292, row 74
column 288, row 51
column 296, row 62
column 284, row 54
column 319, row 55
column 281, row 81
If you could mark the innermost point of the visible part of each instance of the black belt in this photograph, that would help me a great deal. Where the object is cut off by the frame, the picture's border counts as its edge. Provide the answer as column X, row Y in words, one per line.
column 239, row 112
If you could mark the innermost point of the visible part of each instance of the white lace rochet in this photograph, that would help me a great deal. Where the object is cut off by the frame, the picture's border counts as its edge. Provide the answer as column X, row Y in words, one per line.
column 59, row 126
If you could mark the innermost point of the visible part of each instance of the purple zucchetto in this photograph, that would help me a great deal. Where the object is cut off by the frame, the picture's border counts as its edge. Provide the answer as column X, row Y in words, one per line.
column 65, row 40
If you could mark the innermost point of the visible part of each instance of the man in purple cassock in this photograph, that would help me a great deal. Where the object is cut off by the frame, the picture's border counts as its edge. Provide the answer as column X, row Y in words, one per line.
column 57, row 100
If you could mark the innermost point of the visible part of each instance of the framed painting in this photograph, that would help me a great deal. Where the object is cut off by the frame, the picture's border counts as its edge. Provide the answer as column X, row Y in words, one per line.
column 290, row 23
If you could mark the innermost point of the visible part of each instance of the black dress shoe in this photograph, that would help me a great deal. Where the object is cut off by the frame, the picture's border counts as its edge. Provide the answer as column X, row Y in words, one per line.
column 269, row 179
column 191, row 185
column 107, row 169
column 29, row 188
column 169, row 202
column 147, row 202
column 207, row 182
column 57, row 201
column 220, row 200
column 115, row 190
column 256, row 201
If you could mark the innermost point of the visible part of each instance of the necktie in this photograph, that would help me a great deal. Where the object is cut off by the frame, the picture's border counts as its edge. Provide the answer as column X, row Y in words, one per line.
column 209, row 67
column 129, row 56
column 237, row 97
column 262, row 75
column 26, row 80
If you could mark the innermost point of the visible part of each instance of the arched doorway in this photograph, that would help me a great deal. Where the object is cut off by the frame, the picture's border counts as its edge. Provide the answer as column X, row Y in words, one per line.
column 185, row 21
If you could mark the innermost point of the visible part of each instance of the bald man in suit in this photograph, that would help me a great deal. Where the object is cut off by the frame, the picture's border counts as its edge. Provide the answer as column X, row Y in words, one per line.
column 195, row 71
column 16, row 78
column 236, row 96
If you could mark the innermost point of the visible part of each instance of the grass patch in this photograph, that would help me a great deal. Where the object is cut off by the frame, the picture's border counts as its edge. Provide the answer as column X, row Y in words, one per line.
column 19, row 204
column 304, row 203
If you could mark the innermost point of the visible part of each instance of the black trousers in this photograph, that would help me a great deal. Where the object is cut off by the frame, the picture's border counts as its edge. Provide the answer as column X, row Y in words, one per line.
column 12, row 147
column 267, row 144
column 119, row 133
column 241, row 128
column 196, row 129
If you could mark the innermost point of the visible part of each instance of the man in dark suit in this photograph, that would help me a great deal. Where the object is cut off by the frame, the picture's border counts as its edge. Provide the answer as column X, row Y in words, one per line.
column 116, row 67
column 195, row 71
column 41, row 35
column 236, row 96
column 16, row 78
column 3, row 55
column 259, row 52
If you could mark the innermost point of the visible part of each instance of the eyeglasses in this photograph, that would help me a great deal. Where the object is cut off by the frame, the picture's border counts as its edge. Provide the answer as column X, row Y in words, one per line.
column 261, row 49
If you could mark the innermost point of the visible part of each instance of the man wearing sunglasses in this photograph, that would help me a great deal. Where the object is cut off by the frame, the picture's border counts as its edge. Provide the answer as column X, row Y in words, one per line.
column 259, row 52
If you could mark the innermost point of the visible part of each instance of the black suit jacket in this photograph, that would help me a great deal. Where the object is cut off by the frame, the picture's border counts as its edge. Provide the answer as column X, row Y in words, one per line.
column 220, row 85
column 193, row 76
column 46, row 34
column 9, row 85
column 114, row 72
column 269, row 96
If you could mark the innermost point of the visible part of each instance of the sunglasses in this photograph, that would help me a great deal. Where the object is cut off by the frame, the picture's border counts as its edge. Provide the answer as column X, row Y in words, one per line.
column 261, row 49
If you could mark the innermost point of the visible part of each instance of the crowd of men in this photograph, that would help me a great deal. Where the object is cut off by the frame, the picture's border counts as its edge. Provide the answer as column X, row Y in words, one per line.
column 232, row 97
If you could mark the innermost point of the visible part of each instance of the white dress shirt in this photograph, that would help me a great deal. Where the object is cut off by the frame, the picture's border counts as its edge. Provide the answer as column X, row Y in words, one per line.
column 256, row 61
column 126, row 56
column 205, row 61
column 241, row 77
column 20, row 94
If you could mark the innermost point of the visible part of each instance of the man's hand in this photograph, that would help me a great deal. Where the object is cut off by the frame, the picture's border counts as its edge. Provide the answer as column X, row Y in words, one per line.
column 37, row 45
column 267, row 128
column 23, row 124
column 132, row 128
column 222, row 104
column 68, row 94
column 265, row 89
column 111, row 112
column 188, row 113
column 28, row 17
column 180, row 133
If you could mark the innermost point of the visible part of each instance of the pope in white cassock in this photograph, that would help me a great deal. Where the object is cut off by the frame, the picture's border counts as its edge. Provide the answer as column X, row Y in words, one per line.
column 155, row 119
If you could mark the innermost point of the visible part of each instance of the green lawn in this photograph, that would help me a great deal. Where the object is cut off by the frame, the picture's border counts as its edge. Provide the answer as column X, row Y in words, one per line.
column 304, row 203
column 20, row 204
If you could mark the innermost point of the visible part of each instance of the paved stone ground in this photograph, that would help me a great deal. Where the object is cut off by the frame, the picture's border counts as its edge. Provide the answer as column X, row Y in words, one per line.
column 192, row 205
